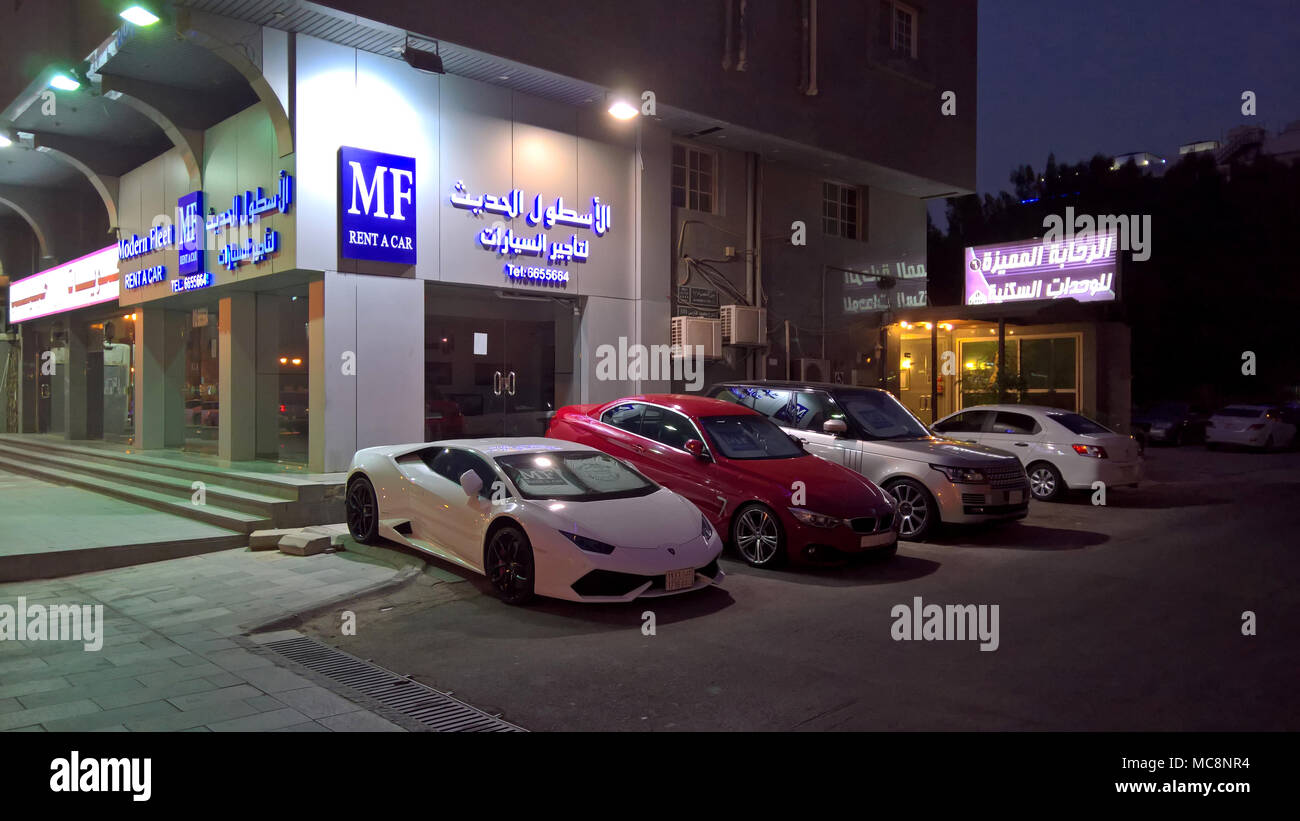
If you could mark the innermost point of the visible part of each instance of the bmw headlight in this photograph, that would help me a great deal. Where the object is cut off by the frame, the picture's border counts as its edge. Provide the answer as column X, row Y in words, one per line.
column 815, row 519
column 706, row 529
column 589, row 545
column 962, row 476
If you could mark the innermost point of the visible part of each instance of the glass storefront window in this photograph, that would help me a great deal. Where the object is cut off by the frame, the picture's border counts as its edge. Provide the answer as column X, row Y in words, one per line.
column 283, row 375
column 200, row 392
column 110, row 379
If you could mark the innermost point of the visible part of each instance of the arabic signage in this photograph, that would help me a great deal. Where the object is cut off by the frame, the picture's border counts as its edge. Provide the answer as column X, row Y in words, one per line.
column 376, row 206
column 243, row 214
column 507, row 242
column 1080, row 268
column 905, row 285
column 89, row 280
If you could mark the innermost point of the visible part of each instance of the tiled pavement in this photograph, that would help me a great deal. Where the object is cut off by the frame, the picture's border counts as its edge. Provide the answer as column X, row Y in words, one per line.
column 170, row 660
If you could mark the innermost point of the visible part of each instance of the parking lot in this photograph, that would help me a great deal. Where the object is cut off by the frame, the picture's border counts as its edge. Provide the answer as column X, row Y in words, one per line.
column 1122, row 617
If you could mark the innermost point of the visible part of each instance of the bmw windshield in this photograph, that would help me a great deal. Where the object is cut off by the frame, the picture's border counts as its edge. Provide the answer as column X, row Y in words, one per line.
column 574, row 476
column 750, row 437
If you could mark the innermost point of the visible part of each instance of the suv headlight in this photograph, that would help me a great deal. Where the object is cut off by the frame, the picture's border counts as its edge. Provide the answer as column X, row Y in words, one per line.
column 706, row 529
column 962, row 476
column 815, row 519
column 589, row 545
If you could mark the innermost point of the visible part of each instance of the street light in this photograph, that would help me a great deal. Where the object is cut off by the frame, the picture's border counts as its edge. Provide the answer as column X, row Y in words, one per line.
column 138, row 16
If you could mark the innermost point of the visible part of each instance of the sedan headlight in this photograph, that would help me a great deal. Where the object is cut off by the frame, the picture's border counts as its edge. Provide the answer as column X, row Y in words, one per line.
column 815, row 519
column 706, row 529
column 962, row 476
column 589, row 545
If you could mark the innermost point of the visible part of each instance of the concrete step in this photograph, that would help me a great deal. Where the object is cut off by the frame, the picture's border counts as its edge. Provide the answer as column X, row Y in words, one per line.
column 263, row 505
column 284, row 486
column 236, row 520
column 284, row 499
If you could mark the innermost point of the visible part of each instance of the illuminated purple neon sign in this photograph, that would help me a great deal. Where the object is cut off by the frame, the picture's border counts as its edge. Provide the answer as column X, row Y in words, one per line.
column 1082, row 268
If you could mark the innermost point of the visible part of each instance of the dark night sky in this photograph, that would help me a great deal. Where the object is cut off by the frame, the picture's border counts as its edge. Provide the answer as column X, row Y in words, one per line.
column 1114, row 76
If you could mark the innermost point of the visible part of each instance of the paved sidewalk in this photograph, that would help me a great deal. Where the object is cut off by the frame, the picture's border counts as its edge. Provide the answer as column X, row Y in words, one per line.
column 169, row 659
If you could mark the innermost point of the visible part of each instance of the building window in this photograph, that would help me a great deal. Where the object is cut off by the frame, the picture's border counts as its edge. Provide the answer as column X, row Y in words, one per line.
column 841, row 214
column 903, row 28
column 695, row 178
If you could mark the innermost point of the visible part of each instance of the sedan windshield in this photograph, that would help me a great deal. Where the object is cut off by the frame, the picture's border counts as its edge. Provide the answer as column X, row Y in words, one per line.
column 574, row 476
column 881, row 415
column 749, row 437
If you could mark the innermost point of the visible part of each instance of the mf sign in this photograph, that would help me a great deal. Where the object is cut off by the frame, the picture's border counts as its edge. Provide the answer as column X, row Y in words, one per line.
column 376, row 206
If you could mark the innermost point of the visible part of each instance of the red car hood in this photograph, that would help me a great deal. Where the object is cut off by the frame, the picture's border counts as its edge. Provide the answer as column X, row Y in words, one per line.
column 828, row 488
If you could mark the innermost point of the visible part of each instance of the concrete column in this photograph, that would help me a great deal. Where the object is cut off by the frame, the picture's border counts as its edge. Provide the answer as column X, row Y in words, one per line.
column 237, row 330
column 316, row 377
column 28, row 378
column 74, row 386
column 159, row 374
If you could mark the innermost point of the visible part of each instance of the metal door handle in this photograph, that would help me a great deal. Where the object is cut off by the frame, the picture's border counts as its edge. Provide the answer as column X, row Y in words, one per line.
column 1022, row 444
column 496, row 382
column 510, row 384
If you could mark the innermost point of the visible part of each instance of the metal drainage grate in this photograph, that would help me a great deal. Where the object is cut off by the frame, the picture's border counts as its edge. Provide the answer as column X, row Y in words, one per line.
column 435, row 710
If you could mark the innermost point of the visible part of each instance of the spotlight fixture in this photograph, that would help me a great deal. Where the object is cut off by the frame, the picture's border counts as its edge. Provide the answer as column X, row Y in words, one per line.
column 138, row 16
column 420, row 60
column 623, row 110
column 65, row 81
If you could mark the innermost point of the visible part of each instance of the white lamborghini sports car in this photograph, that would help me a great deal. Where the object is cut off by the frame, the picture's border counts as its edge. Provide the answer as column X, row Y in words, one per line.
column 536, row 516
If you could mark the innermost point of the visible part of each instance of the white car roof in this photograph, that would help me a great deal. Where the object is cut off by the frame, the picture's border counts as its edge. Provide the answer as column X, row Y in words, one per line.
column 1030, row 409
column 510, row 445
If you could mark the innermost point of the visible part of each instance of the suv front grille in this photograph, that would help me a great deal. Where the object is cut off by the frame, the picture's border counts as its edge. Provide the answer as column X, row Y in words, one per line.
column 1007, row 478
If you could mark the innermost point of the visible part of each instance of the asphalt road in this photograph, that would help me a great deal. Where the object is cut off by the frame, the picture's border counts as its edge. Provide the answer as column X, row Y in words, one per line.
column 1123, row 617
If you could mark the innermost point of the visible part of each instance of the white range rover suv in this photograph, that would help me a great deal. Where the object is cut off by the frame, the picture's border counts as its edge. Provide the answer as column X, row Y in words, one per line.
column 934, row 480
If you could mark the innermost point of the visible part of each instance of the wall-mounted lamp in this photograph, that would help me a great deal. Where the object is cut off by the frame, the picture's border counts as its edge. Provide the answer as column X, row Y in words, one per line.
column 138, row 16
column 429, row 62
column 621, row 109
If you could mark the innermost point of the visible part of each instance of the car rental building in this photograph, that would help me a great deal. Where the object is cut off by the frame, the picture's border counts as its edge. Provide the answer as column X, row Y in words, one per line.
column 349, row 224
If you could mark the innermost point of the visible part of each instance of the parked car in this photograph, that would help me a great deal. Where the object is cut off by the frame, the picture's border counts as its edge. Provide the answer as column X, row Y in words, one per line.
column 1061, row 450
column 935, row 480
column 1256, row 426
column 753, row 482
column 1173, row 423
column 536, row 516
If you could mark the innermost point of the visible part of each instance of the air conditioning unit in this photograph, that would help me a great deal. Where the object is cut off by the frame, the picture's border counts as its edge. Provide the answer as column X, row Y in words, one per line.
column 744, row 325
column 690, row 331
column 811, row 370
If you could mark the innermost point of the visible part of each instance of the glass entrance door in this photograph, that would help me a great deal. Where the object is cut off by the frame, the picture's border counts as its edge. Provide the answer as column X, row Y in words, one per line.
column 488, row 376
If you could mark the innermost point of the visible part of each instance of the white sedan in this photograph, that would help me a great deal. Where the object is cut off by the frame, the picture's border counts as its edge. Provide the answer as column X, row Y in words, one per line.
column 1061, row 450
column 536, row 516
column 1256, row 426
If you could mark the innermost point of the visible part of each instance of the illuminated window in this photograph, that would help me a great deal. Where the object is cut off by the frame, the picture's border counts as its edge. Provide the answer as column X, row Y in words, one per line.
column 695, row 178
column 903, row 39
column 841, row 212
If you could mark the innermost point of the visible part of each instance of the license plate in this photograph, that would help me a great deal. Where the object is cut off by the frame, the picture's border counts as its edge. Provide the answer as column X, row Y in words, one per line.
column 679, row 579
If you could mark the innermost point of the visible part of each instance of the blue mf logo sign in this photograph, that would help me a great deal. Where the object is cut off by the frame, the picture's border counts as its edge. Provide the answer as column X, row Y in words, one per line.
column 376, row 206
